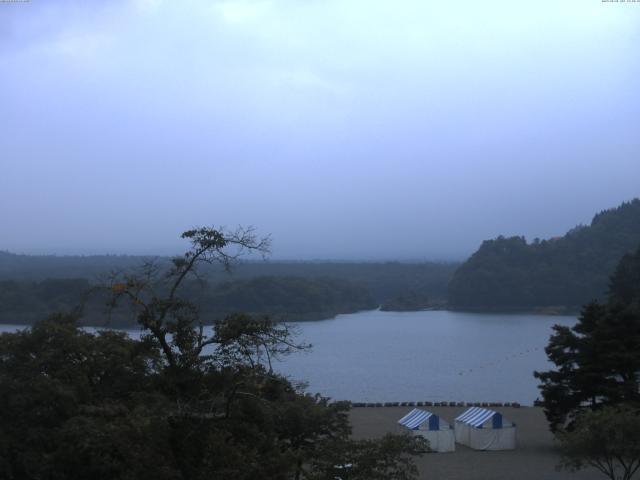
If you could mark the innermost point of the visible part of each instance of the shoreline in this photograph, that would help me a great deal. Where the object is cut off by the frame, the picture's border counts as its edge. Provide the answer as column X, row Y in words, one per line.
column 542, row 311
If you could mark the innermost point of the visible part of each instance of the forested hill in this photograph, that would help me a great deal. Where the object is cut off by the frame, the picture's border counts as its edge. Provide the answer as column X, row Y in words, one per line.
column 560, row 273
column 384, row 280
column 40, row 267
column 287, row 298
column 282, row 298
column 33, row 286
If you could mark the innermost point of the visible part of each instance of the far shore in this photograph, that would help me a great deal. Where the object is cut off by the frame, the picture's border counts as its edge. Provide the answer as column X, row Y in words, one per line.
column 117, row 323
column 548, row 310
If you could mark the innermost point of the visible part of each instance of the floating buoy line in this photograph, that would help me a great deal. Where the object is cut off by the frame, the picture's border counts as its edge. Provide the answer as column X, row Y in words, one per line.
column 499, row 362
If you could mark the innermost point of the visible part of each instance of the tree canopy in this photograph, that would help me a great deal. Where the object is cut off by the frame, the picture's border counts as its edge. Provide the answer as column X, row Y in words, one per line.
column 31, row 287
column 607, row 439
column 598, row 359
column 179, row 403
column 564, row 272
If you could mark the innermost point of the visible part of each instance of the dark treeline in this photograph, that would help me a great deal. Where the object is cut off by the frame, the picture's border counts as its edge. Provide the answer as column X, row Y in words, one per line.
column 561, row 273
column 285, row 290
column 282, row 298
column 384, row 280
column 25, row 302
column 411, row 301
column 287, row 298
column 42, row 267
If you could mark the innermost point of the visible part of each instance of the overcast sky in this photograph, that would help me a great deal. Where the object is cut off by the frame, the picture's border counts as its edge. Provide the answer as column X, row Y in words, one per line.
column 357, row 129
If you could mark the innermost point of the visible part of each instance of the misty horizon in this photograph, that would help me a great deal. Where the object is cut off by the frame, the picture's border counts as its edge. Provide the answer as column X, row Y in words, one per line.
column 345, row 130
column 169, row 251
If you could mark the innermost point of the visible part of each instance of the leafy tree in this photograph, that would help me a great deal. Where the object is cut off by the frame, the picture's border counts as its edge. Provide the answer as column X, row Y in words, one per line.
column 389, row 457
column 178, row 403
column 607, row 439
column 68, row 394
column 598, row 359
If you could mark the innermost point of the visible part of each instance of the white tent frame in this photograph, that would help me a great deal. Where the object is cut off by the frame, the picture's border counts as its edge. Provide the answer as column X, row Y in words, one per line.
column 430, row 426
column 484, row 429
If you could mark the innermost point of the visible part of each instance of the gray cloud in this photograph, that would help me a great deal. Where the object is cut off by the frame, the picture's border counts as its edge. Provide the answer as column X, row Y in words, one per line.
column 347, row 129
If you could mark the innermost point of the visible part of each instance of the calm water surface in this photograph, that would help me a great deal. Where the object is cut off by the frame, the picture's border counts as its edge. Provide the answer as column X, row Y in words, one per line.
column 379, row 356
column 432, row 355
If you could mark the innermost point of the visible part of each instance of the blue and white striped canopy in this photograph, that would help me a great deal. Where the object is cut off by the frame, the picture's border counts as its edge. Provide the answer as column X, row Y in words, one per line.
column 415, row 418
column 476, row 416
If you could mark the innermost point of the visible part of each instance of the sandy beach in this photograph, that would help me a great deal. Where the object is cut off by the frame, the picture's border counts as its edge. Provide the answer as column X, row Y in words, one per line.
column 535, row 457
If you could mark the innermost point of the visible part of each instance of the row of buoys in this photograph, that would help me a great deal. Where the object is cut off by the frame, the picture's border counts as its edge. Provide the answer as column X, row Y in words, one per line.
column 435, row 404
column 498, row 362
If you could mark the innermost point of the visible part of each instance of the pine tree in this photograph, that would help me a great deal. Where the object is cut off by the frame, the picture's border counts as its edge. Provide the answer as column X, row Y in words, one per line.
column 598, row 359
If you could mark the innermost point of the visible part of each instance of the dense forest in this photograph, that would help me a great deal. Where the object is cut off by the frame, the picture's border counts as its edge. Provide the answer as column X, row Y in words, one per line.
column 555, row 276
column 32, row 286
column 411, row 301
column 558, row 274
column 384, row 280
column 25, row 302
column 178, row 403
column 288, row 298
column 282, row 298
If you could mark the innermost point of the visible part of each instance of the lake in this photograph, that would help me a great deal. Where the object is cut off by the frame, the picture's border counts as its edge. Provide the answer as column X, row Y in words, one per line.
column 377, row 356
column 380, row 356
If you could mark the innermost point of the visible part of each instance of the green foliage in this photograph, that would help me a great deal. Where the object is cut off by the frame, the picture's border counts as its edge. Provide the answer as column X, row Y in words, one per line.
column 286, row 290
column 26, row 301
column 59, row 385
column 387, row 458
column 624, row 287
column 566, row 272
column 284, row 298
column 607, row 439
column 287, row 298
column 252, row 342
column 79, row 405
column 598, row 359
column 410, row 302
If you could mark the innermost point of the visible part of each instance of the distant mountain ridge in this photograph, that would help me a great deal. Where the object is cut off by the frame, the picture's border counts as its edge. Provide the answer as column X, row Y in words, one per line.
column 556, row 274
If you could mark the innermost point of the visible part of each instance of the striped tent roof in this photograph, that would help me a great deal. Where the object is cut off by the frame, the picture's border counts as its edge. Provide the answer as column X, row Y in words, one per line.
column 415, row 418
column 475, row 416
